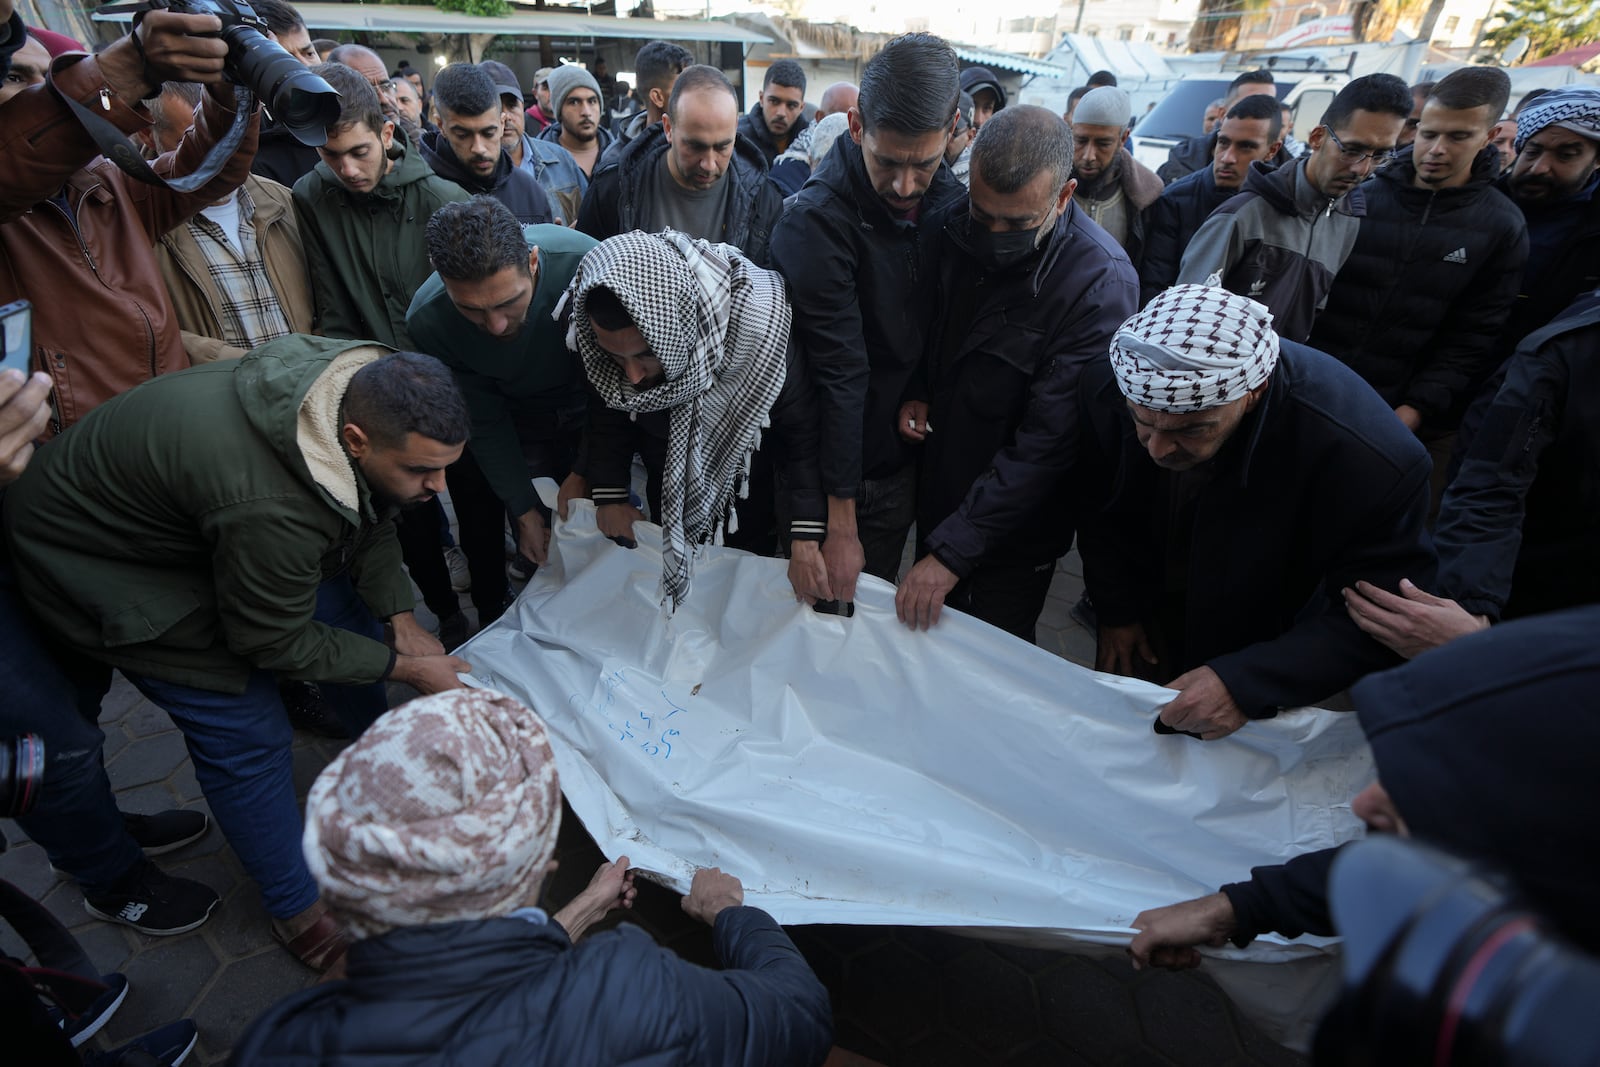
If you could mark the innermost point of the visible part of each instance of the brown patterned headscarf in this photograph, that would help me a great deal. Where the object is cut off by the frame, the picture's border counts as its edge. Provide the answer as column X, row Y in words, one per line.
column 447, row 808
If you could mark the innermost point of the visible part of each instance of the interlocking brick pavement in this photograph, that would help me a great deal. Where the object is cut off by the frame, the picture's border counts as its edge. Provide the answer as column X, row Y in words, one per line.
column 901, row 995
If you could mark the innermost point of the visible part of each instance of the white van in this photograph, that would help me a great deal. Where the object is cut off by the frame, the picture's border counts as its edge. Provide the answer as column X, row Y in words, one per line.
column 1182, row 113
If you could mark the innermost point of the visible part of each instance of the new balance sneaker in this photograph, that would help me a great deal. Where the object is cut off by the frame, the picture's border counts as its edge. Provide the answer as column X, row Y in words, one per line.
column 166, row 830
column 166, row 1047
column 96, row 1015
column 460, row 573
column 153, row 902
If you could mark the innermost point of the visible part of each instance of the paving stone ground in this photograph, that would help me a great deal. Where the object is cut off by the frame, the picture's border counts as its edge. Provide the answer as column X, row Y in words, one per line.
column 908, row 996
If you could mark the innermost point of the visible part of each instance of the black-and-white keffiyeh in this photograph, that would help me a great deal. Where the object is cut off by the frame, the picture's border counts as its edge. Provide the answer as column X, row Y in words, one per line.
column 720, row 327
column 1194, row 347
column 1572, row 107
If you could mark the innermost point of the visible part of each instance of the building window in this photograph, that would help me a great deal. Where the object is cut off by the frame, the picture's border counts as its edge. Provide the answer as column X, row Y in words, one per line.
column 1124, row 33
column 1451, row 24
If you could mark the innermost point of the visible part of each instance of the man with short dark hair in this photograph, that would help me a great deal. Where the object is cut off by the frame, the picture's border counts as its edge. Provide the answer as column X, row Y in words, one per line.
column 853, row 246
column 486, row 313
column 363, row 216
column 1419, row 96
column 259, row 545
column 551, row 165
column 1251, row 131
column 988, row 95
column 466, row 148
column 1031, row 293
column 1102, row 77
column 1113, row 187
column 280, row 156
column 1072, row 102
column 1233, row 485
column 1283, row 239
column 1194, row 153
column 693, row 173
column 791, row 169
column 575, row 97
column 656, row 68
column 1435, row 268
column 775, row 120
column 1216, row 111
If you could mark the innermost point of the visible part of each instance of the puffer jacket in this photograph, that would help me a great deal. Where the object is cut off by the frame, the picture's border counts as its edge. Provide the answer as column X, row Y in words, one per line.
column 1418, row 305
column 77, row 237
column 195, row 295
column 1169, row 223
column 619, row 197
column 861, row 282
column 182, row 529
column 509, row 184
column 367, row 253
column 1279, row 242
column 510, row 992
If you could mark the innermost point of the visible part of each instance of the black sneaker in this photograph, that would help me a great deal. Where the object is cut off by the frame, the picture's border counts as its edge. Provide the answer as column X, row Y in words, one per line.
column 153, row 902
column 96, row 1015
column 166, row 830
column 166, row 1047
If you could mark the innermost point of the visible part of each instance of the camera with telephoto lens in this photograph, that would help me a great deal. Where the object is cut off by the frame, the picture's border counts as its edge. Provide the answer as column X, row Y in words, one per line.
column 21, row 775
column 1443, row 966
column 299, row 100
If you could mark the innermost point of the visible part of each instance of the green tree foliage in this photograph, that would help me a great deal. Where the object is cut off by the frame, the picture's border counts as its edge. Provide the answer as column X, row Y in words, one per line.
column 1551, row 26
column 491, row 8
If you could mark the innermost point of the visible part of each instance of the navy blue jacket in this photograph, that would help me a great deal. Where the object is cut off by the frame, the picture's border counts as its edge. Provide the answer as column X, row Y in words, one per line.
column 1318, row 487
column 622, row 186
column 1004, row 359
column 1168, row 225
column 510, row 993
column 1564, row 261
column 753, row 125
column 861, row 282
column 514, row 187
column 1519, row 528
column 1417, row 307
column 1486, row 748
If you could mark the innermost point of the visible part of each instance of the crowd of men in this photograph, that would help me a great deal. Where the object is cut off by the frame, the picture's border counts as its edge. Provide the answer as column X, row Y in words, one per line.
column 1305, row 413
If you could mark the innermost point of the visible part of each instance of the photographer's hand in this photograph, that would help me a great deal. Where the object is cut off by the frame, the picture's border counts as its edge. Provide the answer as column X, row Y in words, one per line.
column 176, row 48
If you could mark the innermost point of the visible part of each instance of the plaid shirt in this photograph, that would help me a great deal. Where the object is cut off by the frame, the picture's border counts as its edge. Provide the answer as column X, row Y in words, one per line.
column 251, row 314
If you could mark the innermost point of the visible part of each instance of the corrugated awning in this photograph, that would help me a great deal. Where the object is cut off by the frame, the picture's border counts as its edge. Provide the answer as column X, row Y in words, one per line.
column 523, row 22
column 986, row 57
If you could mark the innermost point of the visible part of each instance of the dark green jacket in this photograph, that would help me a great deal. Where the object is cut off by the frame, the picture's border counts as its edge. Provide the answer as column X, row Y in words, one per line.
column 181, row 529
column 533, row 372
column 367, row 254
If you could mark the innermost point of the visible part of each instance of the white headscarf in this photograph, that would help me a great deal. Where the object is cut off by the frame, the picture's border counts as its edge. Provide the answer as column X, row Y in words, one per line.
column 1192, row 348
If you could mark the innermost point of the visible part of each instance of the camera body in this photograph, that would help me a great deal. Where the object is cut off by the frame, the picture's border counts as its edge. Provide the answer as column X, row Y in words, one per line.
column 300, row 100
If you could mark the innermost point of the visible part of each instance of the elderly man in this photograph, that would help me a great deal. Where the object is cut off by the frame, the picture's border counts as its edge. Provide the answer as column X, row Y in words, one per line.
column 1031, row 293
column 1246, row 481
column 432, row 837
column 1252, row 130
column 1283, row 239
column 665, row 323
column 259, row 544
column 1113, row 187
column 1439, row 782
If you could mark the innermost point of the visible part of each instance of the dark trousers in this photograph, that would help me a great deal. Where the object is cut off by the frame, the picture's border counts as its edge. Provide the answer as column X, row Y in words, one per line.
column 52, row 693
column 885, row 509
column 422, row 549
column 1009, row 596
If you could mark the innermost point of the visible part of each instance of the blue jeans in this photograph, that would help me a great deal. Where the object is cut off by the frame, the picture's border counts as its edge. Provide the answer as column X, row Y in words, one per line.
column 240, row 745
column 57, row 696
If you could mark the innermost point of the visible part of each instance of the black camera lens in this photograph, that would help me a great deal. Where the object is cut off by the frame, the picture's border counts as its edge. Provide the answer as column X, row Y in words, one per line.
column 21, row 773
column 300, row 100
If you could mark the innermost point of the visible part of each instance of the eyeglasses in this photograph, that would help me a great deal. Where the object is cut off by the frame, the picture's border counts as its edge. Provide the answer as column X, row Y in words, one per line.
column 1380, row 159
column 384, row 86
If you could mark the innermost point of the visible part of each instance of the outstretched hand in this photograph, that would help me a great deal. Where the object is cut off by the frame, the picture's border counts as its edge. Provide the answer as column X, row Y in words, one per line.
column 1411, row 623
column 611, row 888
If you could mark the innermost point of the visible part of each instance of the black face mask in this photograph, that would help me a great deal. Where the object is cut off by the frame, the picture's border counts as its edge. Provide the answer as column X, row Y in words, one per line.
column 1002, row 251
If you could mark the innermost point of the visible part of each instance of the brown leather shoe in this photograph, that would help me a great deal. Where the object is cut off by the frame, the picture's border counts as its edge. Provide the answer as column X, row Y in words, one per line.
column 314, row 936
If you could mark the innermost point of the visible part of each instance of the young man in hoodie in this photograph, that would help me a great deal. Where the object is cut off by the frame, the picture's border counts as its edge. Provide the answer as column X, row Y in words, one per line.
column 363, row 218
column 551, row 165
column 229, row 525
column 1113, row 187
column 1283, row 239
column 466, row 148
column 1435, row 268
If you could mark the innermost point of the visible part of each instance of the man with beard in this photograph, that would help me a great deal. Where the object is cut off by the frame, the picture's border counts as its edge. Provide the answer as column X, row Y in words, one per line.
column 1282, row 240
column 575, row 95
column 1554, row 182
column 466, row 148
column 225, row 526
column 1113, row 187
column 775, row 120
column 551, row 165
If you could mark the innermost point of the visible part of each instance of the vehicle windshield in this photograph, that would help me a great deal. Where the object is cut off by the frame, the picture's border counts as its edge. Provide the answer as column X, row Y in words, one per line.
column 1183, row 112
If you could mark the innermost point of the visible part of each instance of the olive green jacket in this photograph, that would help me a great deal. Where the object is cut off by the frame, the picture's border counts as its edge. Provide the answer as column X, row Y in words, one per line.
column 181, row 529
